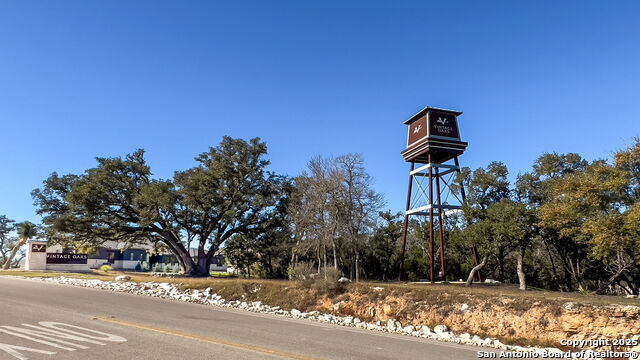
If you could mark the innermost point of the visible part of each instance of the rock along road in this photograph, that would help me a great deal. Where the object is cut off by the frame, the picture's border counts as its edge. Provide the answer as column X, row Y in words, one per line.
column 41, row 320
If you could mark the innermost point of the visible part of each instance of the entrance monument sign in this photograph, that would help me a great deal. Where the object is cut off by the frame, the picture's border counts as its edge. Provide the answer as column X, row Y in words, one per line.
column 39, row 259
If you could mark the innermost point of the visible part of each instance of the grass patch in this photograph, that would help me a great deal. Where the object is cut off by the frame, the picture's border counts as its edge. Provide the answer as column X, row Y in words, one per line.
column 220, row 274
column 423, row 292
column 46, row 274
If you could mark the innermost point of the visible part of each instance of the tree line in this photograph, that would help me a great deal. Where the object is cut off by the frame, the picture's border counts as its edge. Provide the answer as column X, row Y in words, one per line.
column 567, row 224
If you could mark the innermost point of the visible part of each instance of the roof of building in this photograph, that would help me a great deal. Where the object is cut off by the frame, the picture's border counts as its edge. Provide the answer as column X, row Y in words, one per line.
column 118, row 245
column 421, row 113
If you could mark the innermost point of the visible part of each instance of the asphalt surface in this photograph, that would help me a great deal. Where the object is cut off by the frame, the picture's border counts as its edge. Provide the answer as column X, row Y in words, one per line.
column 109, row 325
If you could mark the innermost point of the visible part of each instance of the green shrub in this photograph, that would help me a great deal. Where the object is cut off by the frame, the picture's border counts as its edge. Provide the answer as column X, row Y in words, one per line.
column 301, row 271
column 330, row 274
column 326, row 282
column 105, row 268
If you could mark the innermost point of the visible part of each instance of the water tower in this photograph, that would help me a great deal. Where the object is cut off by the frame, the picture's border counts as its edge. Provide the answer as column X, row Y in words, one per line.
column 433, row 145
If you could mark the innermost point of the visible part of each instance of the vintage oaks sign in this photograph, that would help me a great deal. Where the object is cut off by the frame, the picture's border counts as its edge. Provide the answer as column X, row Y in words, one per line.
column 54, row 258
column 443, row 124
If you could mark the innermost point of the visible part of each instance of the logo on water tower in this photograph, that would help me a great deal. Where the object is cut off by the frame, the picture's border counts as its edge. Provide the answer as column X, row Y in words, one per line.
column 443, row 125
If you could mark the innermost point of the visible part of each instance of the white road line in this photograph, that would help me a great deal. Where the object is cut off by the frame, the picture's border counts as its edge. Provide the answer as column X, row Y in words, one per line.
column 45, row 342
column 13, row 350
column 39, row 330
column 61, row 327
column 54, row 334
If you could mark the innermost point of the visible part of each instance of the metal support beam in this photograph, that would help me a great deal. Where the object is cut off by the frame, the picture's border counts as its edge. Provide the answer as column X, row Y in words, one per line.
column 440, row 227
column 423, row 209
column 421, row 171
column 448, row 172
column 424, row 203
column 431, row 247
column 406, row 223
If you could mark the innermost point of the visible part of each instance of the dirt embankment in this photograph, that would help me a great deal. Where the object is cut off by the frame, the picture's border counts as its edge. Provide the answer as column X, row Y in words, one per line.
column 538, row 318
column 509, row 319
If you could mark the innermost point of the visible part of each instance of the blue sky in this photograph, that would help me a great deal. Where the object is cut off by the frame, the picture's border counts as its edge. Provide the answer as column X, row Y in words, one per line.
column 80, row 79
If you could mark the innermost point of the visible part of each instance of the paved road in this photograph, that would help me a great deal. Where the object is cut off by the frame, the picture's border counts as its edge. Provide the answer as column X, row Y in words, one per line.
column 80, row 323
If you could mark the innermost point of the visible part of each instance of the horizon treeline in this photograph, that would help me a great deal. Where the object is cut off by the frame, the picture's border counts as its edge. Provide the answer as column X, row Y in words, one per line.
column 567, row 224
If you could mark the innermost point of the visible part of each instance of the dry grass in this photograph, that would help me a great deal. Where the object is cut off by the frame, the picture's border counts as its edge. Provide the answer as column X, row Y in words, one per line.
column 47, row 274
column 443, row 294
column 460, row 293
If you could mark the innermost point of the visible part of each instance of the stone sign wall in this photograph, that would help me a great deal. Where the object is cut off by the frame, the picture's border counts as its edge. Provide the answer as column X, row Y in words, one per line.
column 39, row 259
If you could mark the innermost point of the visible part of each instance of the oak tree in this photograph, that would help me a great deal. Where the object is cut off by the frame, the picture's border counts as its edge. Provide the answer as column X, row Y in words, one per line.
column 228, row 192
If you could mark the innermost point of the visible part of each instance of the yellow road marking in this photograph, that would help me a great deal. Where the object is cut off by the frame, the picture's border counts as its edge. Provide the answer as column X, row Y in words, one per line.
column 212, row 340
